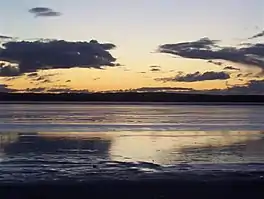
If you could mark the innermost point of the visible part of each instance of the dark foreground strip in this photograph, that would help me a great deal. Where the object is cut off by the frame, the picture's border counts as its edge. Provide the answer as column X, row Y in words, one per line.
column 136, row 190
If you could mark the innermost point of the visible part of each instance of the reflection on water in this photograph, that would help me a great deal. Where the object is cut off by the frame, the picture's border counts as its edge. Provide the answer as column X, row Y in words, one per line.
column 163, row 148
column 56, row 155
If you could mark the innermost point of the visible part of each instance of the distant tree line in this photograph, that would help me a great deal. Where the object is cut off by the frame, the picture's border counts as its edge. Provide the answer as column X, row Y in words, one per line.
column 129, row 97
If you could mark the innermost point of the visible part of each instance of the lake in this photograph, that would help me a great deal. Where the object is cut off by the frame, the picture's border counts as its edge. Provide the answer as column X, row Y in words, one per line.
column 84, row 142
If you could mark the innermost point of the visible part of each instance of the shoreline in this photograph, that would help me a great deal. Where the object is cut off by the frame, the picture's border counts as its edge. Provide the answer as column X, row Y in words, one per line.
column 134, row 103
column 170, row 188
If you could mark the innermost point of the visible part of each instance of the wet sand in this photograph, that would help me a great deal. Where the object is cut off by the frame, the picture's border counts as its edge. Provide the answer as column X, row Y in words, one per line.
column 149, row 164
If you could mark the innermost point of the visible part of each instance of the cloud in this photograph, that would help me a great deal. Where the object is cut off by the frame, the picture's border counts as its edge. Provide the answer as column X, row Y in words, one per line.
column 66, row 90
column 34, row 90
column 5, row 37
column 57, row 89
column 155, row 66
column 68, row 81
column 32, row 75
column 215, row 62
column 253, row 87
column 161, row 89
column 207, row 49
column 251, row 75
column 197, row 76
column 55, row 54
column 261, row 34
column 44, row 12
column 49, row 14
column 231, row 68
column 8, row 70
column 38, row 78
column 155, row 69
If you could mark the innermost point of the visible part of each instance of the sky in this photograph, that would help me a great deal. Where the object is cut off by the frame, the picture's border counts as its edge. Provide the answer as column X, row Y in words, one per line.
column 201, row 45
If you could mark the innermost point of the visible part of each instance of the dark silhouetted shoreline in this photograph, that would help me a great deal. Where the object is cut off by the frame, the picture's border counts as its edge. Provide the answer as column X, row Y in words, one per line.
column 144, row 189
column 129, row 97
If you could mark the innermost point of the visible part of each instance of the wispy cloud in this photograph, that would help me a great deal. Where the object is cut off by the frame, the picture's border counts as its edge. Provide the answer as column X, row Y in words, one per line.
column 231, row 68
column 44, row 12
column 196, row 77
column 207, row 49
column 261, row 34
column 5, row 37
column 161, row 89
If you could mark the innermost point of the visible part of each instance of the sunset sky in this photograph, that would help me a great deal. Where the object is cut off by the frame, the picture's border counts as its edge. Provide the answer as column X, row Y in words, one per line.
column 139, row 44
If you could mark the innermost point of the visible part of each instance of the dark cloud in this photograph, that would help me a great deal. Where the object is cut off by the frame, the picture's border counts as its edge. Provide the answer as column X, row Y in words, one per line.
column 32, row 75
column 66, row 90
column 5, row 37
column 44, row 12
column 207, row 49
column 261, row 34
column 57, row 89
column 68, row 81
column 218, row 63
column 239, row 75
column 34, row 90
column 40, row 10
column 49, row 14
column 245, row 75
column 231, row 68
column 8, row 70
column 155, row 69
column 197, row 76
column 58, row 54
column 97, row 78
column 253, row 87
column 40, row 78
column 155, row 66
column 161, row 89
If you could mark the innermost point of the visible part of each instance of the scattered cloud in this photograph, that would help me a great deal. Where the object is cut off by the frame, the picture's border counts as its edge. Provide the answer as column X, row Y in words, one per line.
column 253, row 87
column 161, row 89
column 261, row 34
column 32, row 75
column 155, row 69
column 197, row 76
column 206, row 49
column 155, row 66
column 218, row 63
column 251, row 75
column 97, row 78
column 34, row 90
column 59, row 89
column 231, row 68
column 44, row 12
column 5, row 37
column 66, row 90
column 40, row 78
column 55, row 54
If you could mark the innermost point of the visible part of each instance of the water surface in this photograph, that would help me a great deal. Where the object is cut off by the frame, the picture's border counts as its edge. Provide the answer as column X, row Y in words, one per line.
column 51, row 142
